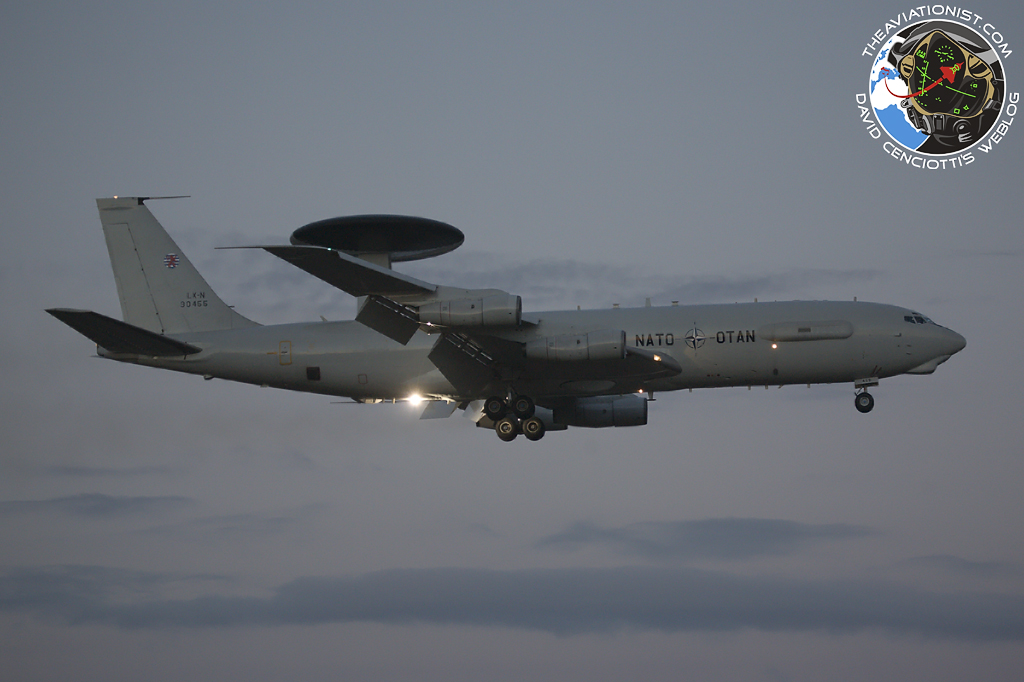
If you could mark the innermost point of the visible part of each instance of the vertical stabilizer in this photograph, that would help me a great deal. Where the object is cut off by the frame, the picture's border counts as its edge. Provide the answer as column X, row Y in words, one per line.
column 159, row 288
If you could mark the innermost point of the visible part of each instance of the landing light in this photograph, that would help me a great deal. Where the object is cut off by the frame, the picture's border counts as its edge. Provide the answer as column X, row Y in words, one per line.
column 657, row 358
column 774, row 346
column 415, row 399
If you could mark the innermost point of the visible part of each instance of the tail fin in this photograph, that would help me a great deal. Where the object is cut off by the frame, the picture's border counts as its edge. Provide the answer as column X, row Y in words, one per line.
column 159, row 288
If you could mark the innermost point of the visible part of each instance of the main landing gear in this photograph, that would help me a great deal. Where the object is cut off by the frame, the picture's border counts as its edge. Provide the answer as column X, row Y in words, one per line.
column 511, row 419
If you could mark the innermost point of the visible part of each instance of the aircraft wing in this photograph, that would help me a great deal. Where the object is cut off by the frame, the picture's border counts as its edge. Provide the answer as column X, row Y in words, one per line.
column 378, row 286
column 473, row 350
column 472, row 362
column 392, row 303
column 352, row 275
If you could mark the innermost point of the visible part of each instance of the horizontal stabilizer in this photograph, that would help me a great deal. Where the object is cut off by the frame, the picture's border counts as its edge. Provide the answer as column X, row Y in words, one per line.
column 352, row 275
column 121, row 337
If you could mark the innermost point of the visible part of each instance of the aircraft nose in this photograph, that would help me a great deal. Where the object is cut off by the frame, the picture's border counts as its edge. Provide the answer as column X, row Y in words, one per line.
column 956, row 341
column 939, row 344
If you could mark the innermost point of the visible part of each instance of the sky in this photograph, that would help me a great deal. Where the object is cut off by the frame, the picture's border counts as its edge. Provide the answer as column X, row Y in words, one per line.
column 157, row 526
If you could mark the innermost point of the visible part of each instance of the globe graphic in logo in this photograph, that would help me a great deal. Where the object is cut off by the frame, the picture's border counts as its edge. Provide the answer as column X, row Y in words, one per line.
column 937, row 87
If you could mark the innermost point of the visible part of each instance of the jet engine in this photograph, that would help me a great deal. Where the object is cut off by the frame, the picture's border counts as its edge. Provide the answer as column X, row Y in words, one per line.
column 609, row 344
column 602, row 411
column 498, row 310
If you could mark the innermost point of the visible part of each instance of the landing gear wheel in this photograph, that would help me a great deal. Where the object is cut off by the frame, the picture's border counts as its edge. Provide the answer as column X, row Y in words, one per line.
column 533, row 428
column 507, row 429
column 523, row 407
column 864, row 402
column 495, row 408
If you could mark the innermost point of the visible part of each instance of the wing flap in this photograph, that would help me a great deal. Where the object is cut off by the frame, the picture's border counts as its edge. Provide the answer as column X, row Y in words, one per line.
column 438, row 409
column 121, row 337
column 463, row 363
column 389, row 318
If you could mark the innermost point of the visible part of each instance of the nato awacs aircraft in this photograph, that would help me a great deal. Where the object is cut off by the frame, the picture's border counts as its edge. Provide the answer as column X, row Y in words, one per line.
column 475, row 349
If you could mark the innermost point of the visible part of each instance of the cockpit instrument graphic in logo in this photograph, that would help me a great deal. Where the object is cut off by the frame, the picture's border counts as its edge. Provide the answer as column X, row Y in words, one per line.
column 937, row 87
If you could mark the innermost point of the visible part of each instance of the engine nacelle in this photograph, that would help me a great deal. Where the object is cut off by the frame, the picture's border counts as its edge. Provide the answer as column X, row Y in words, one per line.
column 602, row 411
column 608, row 344
column 499, row 310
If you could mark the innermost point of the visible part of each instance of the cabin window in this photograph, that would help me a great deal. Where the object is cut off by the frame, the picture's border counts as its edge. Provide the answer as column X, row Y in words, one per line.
column 313, row 373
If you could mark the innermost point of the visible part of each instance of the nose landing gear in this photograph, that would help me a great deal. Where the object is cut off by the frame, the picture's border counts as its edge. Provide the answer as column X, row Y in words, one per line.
column 864, row 401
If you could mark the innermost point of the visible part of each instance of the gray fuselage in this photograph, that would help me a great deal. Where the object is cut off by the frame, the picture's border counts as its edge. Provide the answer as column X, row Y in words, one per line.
column 747, row 344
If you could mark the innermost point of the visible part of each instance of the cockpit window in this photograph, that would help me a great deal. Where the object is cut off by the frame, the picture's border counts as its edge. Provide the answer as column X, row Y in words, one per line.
column 917, row 318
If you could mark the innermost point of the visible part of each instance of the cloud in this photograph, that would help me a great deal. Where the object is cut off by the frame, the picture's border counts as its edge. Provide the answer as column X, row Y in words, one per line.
column 280, row 291
column 563, row 282
column 992, row 253
column 100, row 472
column 722, row 289
column 563, row 601
column 74, row 592
column 728, row 539
column 233, row 526
column 96, row 505
column 965, row 567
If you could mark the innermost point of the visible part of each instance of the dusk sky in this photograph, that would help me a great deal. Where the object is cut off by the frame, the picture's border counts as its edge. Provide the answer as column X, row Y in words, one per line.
column 157, row 526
